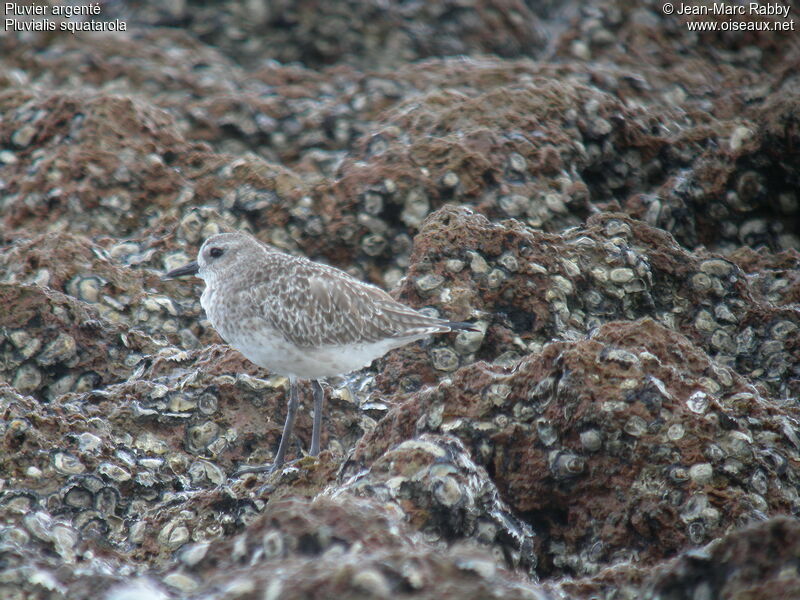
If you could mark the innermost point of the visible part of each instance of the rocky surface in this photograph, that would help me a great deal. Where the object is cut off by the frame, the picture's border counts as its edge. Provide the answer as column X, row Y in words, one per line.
column 611, row 198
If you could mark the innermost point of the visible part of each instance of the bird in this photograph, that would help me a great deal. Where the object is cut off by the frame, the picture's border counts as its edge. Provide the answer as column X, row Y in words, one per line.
column 299, row 318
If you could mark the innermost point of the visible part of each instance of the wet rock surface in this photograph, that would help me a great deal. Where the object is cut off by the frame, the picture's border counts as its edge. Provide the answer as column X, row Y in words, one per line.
column 610, row 197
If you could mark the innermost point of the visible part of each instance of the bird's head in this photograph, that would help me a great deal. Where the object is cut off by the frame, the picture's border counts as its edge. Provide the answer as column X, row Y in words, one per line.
column 218, row 253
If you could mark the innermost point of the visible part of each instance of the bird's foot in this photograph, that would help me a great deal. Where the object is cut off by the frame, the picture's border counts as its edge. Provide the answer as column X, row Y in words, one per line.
column 256, row 469
column 268, row 468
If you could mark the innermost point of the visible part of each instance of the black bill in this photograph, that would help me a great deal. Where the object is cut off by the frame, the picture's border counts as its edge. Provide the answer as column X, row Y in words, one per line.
column 188, row 269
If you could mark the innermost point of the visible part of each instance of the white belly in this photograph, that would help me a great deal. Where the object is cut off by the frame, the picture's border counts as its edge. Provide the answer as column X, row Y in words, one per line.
column 284, row 358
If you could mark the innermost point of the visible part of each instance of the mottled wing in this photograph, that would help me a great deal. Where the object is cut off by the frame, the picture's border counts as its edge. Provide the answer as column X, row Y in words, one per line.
column 315, row 305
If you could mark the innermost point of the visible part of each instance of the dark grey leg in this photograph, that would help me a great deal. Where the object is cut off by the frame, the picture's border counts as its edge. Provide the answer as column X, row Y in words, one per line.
column 288, row 426
column 319, row 397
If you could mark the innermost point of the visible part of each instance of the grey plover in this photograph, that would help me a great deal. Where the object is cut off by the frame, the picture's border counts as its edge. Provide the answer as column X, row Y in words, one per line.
column 298, row 318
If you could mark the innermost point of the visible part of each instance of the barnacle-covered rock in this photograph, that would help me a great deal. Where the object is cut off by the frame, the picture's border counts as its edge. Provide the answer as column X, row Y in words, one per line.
column 637, row 403
column 741, row 555
column 617, row 215
column 49, row 340
column 447, row 497
column 613, row 268
column 352, row 545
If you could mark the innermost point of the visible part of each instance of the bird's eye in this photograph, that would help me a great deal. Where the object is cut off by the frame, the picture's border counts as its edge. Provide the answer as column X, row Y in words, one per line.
column 215, row 252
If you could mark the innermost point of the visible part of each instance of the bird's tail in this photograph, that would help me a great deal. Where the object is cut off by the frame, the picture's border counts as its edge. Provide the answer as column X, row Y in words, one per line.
column 461, row 326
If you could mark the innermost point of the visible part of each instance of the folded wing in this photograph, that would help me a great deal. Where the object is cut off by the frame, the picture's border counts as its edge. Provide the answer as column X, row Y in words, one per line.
column 314, row 305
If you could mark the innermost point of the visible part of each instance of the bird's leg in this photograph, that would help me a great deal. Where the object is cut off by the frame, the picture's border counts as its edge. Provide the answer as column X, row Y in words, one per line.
column 288, row 426
column 319, row 397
